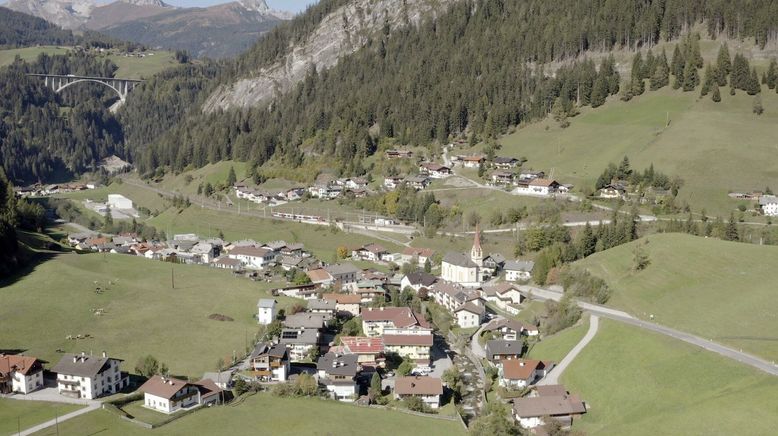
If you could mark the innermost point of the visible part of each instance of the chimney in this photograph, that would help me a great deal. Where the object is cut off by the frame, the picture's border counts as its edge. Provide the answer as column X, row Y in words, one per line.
column 75, row 359
column 104, row 356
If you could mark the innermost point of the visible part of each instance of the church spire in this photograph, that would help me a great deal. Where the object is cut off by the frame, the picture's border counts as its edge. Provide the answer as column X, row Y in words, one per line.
column 476, row 253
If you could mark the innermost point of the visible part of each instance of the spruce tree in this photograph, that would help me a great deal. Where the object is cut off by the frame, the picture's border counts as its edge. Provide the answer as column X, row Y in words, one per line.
column 614, row 80
column 771, row 77
column 707, row 81
column 741, row 74
column 716, row 94
column 637, row 86
column 690, row 77
column 693, row 52
column 231, row 178
column 758, row 108
column 599, row 91
column 723, row 65
column 753, row 83
column 677, row 65
column 661, row 76
column 648, row 66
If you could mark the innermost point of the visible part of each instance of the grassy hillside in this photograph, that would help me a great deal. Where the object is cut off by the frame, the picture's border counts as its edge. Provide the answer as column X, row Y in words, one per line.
column 640, row 383
column 143, row 315
column 716, row 289
column 714, row 147
column 15, row 414
column 265, row 414
column 7, row 56
column 556, row 347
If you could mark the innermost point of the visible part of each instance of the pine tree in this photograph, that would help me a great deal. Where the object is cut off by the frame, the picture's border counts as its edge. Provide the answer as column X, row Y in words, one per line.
column 599, row 91
column 707, row 81
column 771, row 77
column 690, row 77
column 723, row 65
column 758, row 109
column 741, row 74
column 637, row 66
column 716, row 94
column 677, row 65
column 730, row 232
column 231, row 177
column 614, row 80
column 661, row 75
column 753, row 83
column 648, row 66
column 693, row 52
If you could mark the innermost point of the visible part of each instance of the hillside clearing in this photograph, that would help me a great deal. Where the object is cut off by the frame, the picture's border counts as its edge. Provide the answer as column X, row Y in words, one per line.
column 16, row 414
column 720, row 290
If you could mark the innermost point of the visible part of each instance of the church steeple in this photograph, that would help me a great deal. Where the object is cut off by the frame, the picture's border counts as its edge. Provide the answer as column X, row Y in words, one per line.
column 476, row 253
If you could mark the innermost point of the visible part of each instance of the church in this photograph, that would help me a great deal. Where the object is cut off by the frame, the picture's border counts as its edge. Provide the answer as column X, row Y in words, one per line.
column 467, row 271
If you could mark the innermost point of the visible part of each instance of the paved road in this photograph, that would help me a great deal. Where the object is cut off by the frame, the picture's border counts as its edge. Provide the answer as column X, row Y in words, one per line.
column 62, row 418
column 707, row 344
column 553, row 377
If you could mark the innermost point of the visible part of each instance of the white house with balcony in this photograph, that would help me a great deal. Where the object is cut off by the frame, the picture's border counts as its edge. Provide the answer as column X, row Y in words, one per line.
column 88, row 377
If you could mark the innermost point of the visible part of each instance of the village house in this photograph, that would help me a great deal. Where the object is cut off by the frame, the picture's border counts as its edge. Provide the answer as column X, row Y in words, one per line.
column 320, row 276
column 520, row 373
column 498, row 350
column 435, row 171
column 308, row 291
column 451, row 295
column 369, row 291
column 613, row 190
column 469, row 315
column 464, row 270
column 398, row 154
column 344, row 273
column 20, row 374
column 505, row 162
column 769, row 205
column 377, row 321
column 518, row 270
column 270, row 362
column 510, row 329
column 503, row 177
column 221, row 379
column 169, row 395
column 418, row 280
column 266, row 310
column 369, row 351
column 299, row 342
column 529, row 175
column 418, row 182
column 505, row 296
column 393, row 182
column 346, row 305
column 323, row 307
column 370, row 252
column 492, row 264
column 338, row 374
column 553, row 402
column 410, row 344
column 89, row 377
column 418, row 255
column 469, row 161
column 538, row 187
column 253, row 257
column 429, row 389
column 306, row 320
column 224, row 262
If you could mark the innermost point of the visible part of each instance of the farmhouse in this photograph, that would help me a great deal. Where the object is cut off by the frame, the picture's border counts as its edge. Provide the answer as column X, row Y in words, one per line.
column 429, row 389
column 498, row 350
column 419, row 255
column 505, row 295
column 320, row 277
column 451, row 295
column 89, row 377
column 338, row 374
column 538, row 187
column 528, row 175
column 769, row 205
column 22, row 374
column 503, row 177
column 614, row 190
column 417, row 280
column 345, row 304
column 252, row 257
column 414, row 346
column 370, row 252
column 520, row 373
column 392, row 182
column 469, row 315
column 551, row 401
column 511, row 329
column 305, row 292
column 470, row 161
column 435, row 171
column 517, row 270
column 307, row 321
column 168, row 395
column 418, row 182
column 270, row 362
column 398, row 154
column 505, row 162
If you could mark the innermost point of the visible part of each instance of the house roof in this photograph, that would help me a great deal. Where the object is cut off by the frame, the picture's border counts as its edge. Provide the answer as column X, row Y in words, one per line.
column 273, row 350
column 266, row 303
column 519, row 265
column 24, row 365
column 434, row 166
column 218, row 377
column 512, row 324
column 768, row 199
column 421, row 252
column 299, row 336
column 207, row 387
column 321, row 304
column 341, row 268
column 363, row 345
column 548, row 406
column 520, row 369
column 500, row 347
column 551, row 390
column 415, row 340
column 374, row 248
column 421, row 278
column 164, row 387
column 543, row 182
column 343, row 298
column 82, row 365
column 399, row 316
column 338, row 364
column 459, row 259
column 304, row 320
column 319, row 275
column 504, row 160
column 472, row 308
column 249, row 251
column 416, row 385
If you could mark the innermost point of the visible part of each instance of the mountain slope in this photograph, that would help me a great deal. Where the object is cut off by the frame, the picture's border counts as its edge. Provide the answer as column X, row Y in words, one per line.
column 340, row 33
column 68, row 14
column 18, row 30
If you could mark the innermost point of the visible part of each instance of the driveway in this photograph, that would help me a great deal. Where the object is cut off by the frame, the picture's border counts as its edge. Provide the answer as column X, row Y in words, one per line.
column 553, row 377
column 51, row 395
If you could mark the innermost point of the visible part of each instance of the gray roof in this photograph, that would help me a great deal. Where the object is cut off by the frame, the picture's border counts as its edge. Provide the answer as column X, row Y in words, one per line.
column 266, row 303
column 341, row 268
column 519, row 265
column 459, row 259
column 276, row 350
column 502, row 347
column 82, row 365
column 218, row 377
column 320, row 304
column 421, row 278
column 306, row 320
column 338, row 364
column 768, row 199
column 299, row 336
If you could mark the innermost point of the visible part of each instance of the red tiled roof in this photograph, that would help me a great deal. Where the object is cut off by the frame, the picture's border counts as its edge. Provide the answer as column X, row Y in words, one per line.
column 319, row 275
column 164, row 387
column 249, row 251
column 418, row 386
column 363, row 345
column 543, row 182
column 520, row 369
column 343, row 298
column 23, row 364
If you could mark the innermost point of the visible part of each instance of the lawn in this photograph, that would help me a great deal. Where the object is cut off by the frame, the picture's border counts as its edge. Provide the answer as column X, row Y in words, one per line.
column 265, row 414
column 640, row 383
column 142, row 314
column 556, row 347
column 720, row 290
column 15, row 414
column 138, row 68
column 142, row 414
column 29, row 54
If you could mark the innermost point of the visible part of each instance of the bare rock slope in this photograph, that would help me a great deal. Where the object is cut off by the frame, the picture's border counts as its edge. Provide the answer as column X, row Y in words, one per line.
column 342, row 32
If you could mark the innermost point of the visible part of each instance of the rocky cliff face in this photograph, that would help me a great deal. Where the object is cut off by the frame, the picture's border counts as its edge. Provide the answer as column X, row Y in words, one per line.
column 341, row 33
column 68, row 14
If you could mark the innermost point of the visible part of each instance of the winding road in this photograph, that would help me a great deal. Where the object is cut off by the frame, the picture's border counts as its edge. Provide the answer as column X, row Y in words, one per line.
column 553, row 377
column 624, row 317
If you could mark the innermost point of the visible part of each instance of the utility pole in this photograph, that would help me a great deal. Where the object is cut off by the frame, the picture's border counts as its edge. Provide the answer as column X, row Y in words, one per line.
column 172, row 277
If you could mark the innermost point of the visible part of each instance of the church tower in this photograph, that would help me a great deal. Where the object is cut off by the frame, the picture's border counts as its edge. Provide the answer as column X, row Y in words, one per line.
column 476, row 253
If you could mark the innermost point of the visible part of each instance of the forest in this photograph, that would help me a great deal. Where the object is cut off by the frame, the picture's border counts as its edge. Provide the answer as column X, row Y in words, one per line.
column 471, row 73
